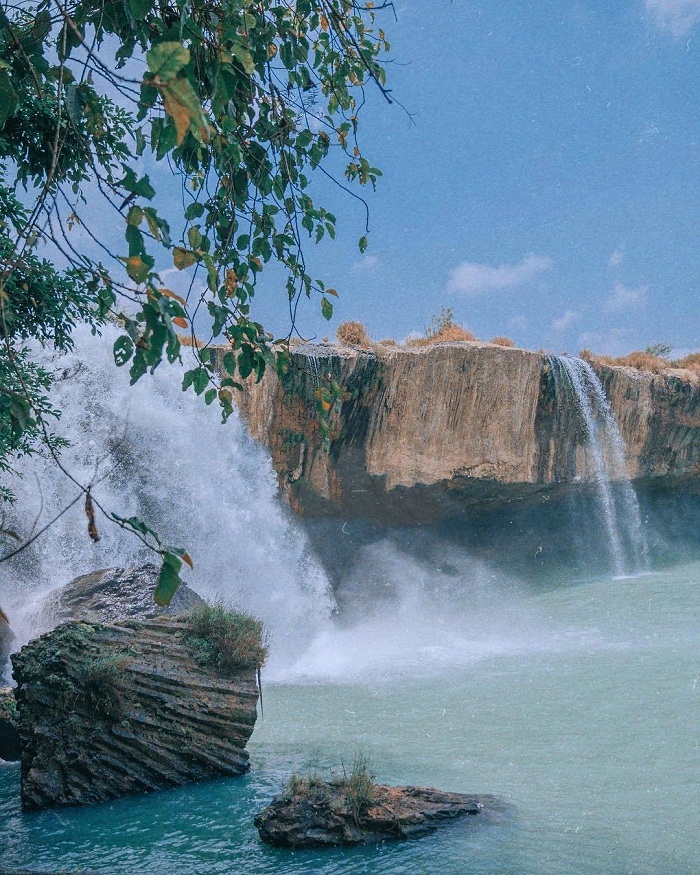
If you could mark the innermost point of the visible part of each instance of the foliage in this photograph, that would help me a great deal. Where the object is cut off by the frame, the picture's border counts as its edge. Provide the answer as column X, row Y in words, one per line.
column 502, row 341
column 96, row 680
column 243, row 102
column 661, row 350
column 690, row 362
column 442, row 327
column 225, row 640
column 359, row 786
column 353, row 333
column 641, row 361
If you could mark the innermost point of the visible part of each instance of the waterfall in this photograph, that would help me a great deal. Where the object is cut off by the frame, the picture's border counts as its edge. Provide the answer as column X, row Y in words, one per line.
column 606, row 448
column 160, row 454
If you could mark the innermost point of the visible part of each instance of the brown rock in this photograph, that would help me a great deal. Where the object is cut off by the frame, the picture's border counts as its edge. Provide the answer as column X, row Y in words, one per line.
column 321, row 816
column 422, row 430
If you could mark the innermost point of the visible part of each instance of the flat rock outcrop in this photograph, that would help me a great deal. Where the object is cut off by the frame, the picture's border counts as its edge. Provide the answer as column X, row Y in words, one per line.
column 417, row 432
column 109, row 709
column 320, row 815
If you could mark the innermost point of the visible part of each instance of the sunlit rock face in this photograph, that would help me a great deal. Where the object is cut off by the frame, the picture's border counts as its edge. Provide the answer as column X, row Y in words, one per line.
column 422, row 432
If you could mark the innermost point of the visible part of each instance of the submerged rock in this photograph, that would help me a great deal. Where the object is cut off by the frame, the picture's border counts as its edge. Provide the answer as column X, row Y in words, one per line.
column 115, row 594
column 9, row 726
column 110, row 709
column 322, row 814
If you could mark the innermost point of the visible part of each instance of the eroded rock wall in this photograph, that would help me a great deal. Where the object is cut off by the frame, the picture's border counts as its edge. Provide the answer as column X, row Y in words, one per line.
column 419, row 431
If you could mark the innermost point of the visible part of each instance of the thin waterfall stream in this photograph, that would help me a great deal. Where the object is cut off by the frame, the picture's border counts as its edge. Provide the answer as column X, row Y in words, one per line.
column 576, row 380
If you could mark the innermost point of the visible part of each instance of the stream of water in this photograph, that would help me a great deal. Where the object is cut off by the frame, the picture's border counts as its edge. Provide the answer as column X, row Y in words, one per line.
column 575, row 701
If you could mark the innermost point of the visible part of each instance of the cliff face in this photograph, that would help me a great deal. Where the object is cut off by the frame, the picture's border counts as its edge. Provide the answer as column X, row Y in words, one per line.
column 418, row 430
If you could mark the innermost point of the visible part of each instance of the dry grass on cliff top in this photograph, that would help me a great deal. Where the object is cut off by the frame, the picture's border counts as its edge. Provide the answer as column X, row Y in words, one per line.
column 647, row 362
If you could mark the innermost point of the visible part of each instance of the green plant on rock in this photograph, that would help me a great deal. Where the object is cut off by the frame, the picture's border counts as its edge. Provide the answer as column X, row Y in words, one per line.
column 96, row 681
column 358, row 787
column 226, row 640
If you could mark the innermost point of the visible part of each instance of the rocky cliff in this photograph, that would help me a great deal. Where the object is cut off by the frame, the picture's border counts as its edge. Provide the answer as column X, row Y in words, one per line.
column 417, row 432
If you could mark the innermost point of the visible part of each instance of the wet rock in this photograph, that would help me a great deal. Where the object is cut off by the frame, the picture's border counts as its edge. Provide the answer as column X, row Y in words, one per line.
column 323, row 815
column 9, row 726
column 115, row 594
column 110, row 709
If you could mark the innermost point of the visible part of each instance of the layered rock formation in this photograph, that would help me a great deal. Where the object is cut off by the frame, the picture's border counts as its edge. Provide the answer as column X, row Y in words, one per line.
column 116, row 702
column 108, row 710
column 321, row 815
column 420, row 431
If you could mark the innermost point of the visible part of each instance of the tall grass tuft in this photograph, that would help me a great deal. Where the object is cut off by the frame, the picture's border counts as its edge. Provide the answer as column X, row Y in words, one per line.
column 226, row 640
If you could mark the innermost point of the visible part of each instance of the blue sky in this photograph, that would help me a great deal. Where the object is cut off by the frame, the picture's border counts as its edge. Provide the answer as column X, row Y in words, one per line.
column 546, row 186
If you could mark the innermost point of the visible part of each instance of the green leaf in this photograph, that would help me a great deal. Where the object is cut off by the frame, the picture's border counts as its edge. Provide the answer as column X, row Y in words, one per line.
column 209, row 396
column 169, row 579
column 138, row 266
column 123, row 350
column 244, row 56
column 194, row 211
column 140, row 8
column 8, row 97
column 165, row 60
column 183, row 258
column 362, row 244
column 326, row 308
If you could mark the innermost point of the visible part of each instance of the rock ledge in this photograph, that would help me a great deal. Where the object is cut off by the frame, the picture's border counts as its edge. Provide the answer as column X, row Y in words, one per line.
column 321, row 816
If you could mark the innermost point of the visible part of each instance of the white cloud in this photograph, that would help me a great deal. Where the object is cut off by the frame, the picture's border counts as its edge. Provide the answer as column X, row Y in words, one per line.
column 616, row 258
column 624, row 298
column 675, row 16
column 472, row 278
column 565, row 321
column 366, row 264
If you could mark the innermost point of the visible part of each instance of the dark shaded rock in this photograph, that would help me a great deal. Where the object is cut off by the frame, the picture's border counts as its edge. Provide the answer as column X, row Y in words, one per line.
column 108, row 710
column 9, row 726
column 115, row 594
column 7, row 636
column 321, row 815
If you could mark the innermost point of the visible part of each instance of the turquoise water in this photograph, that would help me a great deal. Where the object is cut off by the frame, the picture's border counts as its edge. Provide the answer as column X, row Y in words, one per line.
column 581, row 712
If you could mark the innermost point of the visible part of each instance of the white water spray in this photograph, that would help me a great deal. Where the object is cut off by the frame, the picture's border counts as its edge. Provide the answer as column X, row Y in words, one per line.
column 618, row 502
column 158, row 453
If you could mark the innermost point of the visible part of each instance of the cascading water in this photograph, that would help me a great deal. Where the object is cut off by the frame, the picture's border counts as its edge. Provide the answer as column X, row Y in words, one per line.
column 158, row 453
column 577, row 380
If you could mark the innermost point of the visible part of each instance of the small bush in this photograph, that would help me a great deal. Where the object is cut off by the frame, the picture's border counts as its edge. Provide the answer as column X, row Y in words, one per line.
column 189, row 340
column 353, row 333
column 502, row 341
column 96, row 681
column 661, row 350
column 641, row 361
column 226, row 640
column 388, row 341
column 442, row 328
column 690, row 362
column 359, row 787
